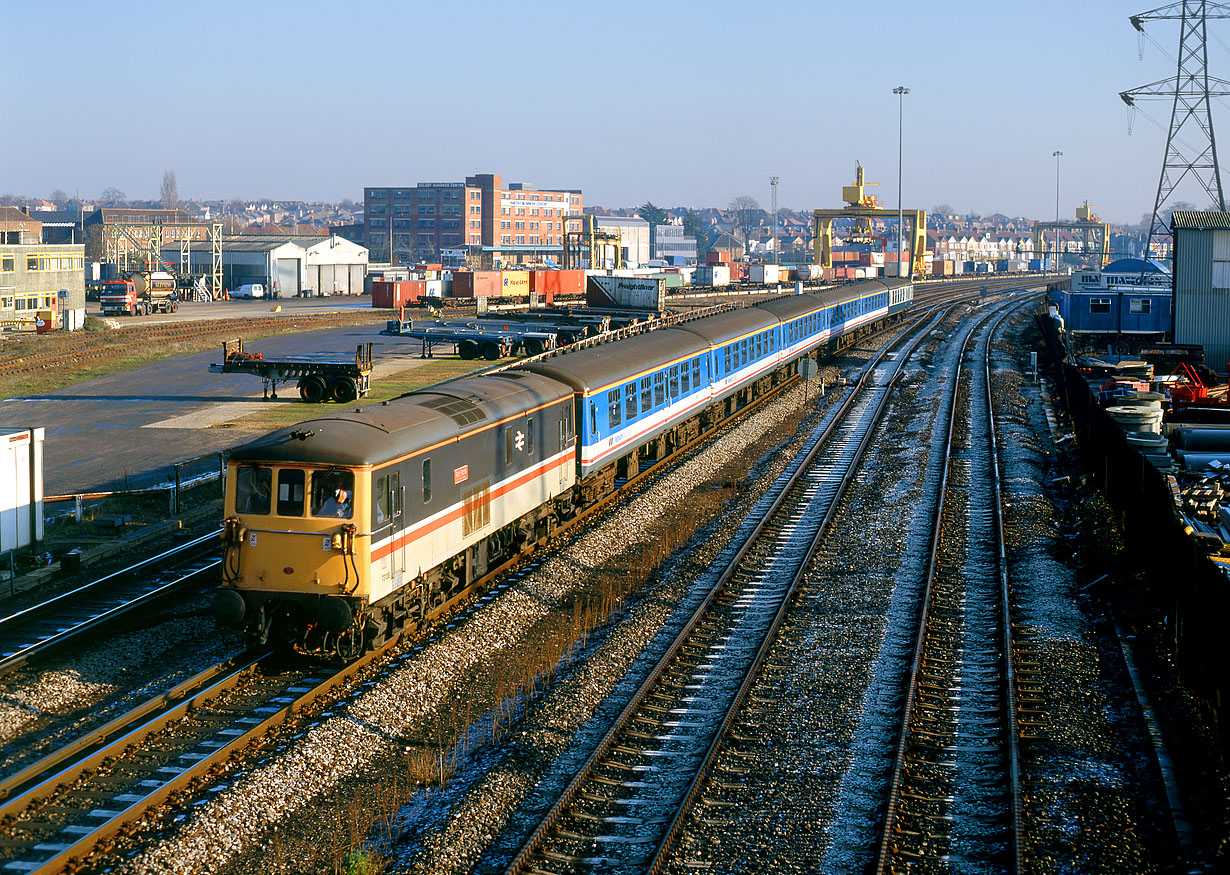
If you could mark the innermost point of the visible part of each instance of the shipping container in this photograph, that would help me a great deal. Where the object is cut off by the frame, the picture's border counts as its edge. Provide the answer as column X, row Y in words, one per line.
column 808, row 273
column 478, row 284
column 550, row 284
column 672, row 280
column 766, row 274
column 712, row 275
column 392, row 294
column 941, row 268
column 718, row 257
column 515, row 284
column 737, row 271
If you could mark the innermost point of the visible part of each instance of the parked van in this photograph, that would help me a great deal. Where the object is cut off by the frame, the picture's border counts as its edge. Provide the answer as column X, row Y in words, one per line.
column 249, row 290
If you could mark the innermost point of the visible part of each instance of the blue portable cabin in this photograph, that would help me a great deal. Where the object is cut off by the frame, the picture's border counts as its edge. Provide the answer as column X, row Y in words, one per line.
column 627, row 393
column 1128, row 301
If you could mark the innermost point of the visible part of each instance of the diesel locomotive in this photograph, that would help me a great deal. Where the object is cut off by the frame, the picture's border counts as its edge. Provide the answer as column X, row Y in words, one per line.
column 341, row 530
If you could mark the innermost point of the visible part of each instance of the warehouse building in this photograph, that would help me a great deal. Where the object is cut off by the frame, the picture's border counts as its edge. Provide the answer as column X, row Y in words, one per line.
column 286, row 265
column 1202, row 282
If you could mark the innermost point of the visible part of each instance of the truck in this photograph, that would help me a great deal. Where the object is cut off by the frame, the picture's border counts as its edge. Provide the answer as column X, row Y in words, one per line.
column 139, row 294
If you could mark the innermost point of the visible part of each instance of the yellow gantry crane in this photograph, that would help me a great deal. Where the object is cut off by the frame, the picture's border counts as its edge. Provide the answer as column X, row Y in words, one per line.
column 1094, row 234
column 863, row 207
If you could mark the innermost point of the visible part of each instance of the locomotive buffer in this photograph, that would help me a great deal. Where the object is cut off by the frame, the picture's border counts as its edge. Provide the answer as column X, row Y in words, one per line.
column 321, row 377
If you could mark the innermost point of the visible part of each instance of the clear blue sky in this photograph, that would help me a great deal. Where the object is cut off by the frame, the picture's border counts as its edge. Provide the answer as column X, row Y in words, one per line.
column 679, row 103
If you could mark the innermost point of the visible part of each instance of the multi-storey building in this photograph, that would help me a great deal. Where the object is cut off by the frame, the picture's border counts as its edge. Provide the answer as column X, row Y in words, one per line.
column 35, row 276
column 479, row 218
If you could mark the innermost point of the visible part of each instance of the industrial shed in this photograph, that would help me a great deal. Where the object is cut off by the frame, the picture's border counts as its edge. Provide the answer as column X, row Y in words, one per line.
column 334, row 265
column 286, row 265
column 1202, row 282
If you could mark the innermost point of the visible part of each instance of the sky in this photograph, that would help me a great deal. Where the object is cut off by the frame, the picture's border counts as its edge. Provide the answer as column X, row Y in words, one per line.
column 678, row 103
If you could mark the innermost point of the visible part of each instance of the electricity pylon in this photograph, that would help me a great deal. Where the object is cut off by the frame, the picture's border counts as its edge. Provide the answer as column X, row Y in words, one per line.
column 1190, row 90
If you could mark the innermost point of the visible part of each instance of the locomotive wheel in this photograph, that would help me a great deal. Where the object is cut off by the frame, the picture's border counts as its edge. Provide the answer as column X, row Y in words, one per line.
column 343, row 390
column 312, row 390
column 467, row 350
column 491, row 351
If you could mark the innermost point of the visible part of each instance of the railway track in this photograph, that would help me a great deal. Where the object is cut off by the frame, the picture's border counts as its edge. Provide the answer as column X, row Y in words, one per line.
column 72, row 802
column 954, row 795
column 43, row 627
column 626, row 806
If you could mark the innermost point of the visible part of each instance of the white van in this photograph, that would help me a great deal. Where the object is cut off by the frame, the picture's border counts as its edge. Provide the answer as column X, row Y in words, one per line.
column 249, row 290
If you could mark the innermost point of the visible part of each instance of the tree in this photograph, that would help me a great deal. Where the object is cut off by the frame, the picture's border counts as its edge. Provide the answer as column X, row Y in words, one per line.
column 112, row 195
column 694, row 226
column 59, row 197
column 942, row 210
column 169, row 192
column 745, row 209
column 652, row 214
column 9, row 200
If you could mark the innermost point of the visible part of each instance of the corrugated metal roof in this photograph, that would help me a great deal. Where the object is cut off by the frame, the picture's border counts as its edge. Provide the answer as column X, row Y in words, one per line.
column 1199, row 220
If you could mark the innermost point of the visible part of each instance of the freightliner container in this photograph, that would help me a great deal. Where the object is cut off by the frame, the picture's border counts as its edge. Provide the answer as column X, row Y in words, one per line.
column 392, row 294
column 21, row 488
column 515, row 284
column 550, row 284
column 640, row 293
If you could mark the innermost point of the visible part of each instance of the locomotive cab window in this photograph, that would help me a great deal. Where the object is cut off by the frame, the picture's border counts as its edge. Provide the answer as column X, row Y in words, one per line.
column 253, row 489
column 333, row 494
column 290, row 492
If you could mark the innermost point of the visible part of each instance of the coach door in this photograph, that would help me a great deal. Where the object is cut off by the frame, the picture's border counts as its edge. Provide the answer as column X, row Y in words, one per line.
column 388, row 522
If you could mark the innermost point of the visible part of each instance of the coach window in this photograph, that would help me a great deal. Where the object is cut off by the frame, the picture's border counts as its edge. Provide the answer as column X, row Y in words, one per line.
column 253, row 488
column 646, row 395
column 614, row 407
column 529, row 436
column 674, row 383
column 426, row 480
column 695, row 372
column 726, row 360
column 659, row 389
column 332, row 494
column 630, row 401
column 683, row 378
column 593, row 423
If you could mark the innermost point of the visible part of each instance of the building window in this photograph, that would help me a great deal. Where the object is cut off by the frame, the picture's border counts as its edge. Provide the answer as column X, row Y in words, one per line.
column 1139, row 306
column 6, row 264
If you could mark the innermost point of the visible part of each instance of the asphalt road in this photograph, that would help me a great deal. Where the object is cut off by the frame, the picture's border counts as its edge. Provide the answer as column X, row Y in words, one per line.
column 129, row 428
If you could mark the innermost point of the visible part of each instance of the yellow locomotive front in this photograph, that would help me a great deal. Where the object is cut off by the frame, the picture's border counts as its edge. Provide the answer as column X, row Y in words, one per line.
column 297, row 544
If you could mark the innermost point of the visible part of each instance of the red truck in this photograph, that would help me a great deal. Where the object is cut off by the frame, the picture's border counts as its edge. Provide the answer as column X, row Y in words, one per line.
column 147, row 292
